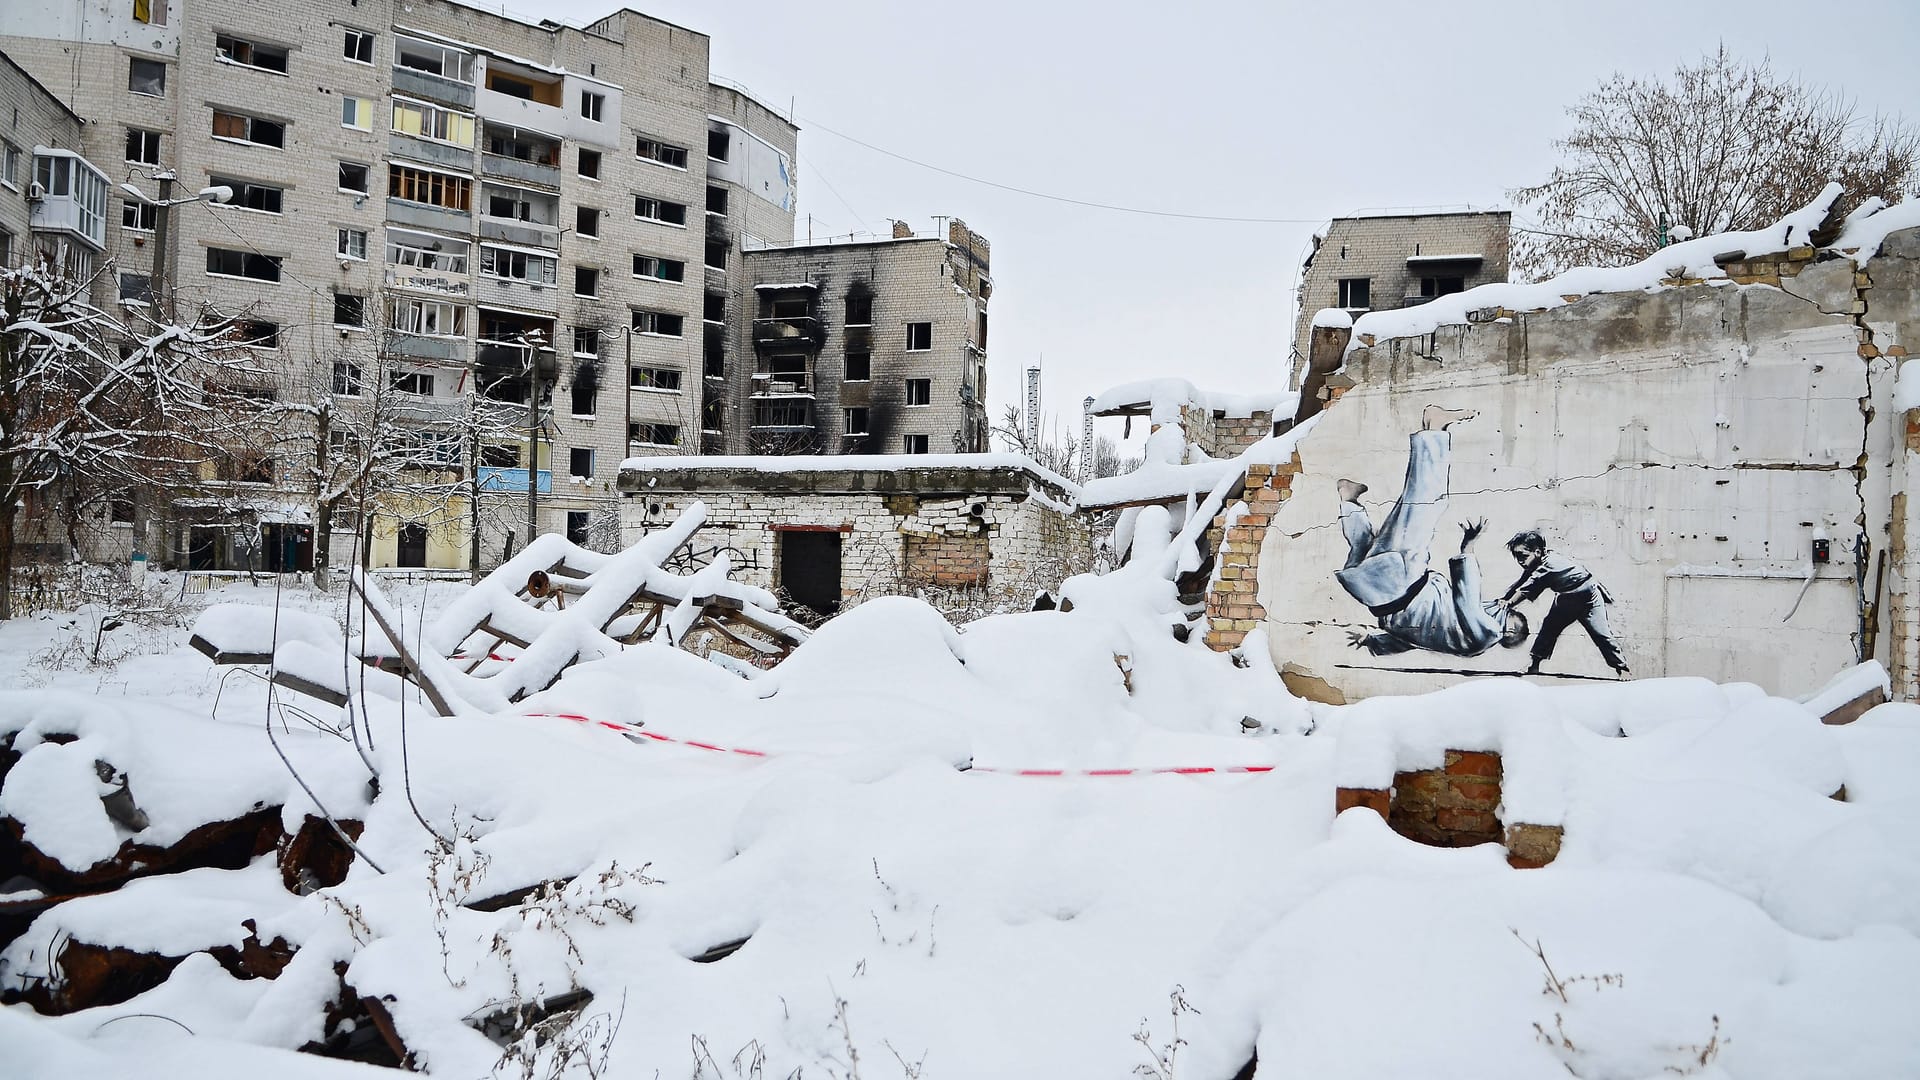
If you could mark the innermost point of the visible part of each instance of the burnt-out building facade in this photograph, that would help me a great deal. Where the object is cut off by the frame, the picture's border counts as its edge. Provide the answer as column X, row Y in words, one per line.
column 856, row 347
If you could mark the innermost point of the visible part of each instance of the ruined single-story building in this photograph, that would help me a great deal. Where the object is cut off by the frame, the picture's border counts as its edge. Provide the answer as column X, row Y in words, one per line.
column 828, row 529
column 1698, row 465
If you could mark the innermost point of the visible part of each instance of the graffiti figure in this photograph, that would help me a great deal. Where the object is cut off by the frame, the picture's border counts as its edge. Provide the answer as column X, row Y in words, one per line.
column 1578, row 597
column 1386, row 569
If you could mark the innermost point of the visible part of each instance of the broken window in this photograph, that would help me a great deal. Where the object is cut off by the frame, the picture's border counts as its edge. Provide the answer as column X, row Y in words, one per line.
column 143, row 147
column 649, row 149
column 914, row 444
column 577, row 527
column 653, row 266
column 716, row 254
column 717, row 145
column 250, row 54
column 413, row 382
column 586, row 281
column 253, row 196
column 240, row 127
column 1356, row 293
column 715, row 309
column 586, row 221
column 1442, row 286
column 147, row 77
column 919, row 391
column 859, row 310
column 716, row 200
column 809, row 569
column 354, row 177
column 856, row 422
column 663, row 323
column 226, row 262
column 358, row 47
column 859, row 366
column 589, row 164
column 140, row 217
column 919, row 336
column 654, row 434
column 586, row 388
column 648, row 208
column 346, row 378
column 349, row 310
column 580, row 461
column 655, row 378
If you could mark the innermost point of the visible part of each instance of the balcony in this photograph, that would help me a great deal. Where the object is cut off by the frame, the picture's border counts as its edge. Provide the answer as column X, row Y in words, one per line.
column 501, row 167
column 450, row 351
column 514, row 293
column 793, row 332
column 496, row 478
column 422, row 84
column 524, row 233
column 405, row 146
column 496, row 107
column 402, row 212
column 783, row 384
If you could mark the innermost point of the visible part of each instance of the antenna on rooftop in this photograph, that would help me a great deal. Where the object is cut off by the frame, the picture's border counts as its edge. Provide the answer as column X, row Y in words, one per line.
column 1086, row 440
column 1033, row 407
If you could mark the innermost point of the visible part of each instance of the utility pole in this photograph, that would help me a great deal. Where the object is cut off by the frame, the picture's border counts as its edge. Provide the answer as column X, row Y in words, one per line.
column 157, row 282
column 533, row 440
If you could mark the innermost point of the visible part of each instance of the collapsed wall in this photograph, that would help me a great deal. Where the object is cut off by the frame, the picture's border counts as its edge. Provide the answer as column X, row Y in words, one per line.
column 1715, row 463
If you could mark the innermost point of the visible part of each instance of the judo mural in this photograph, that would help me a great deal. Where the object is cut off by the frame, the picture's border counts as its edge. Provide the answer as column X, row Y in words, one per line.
column 1417, row 607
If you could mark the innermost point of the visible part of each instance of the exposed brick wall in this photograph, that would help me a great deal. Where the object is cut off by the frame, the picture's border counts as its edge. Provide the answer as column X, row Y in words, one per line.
column 942, row 559
column 1456, row 805
column 1233, row 605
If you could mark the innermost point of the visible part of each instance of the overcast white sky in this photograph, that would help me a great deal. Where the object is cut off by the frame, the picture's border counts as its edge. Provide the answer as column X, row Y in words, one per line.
column 1265, row 110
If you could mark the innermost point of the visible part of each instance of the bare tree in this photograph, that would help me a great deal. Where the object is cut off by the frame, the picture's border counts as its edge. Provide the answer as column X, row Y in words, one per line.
column 90, row 398
column 1061, row 453
column 1723, row 145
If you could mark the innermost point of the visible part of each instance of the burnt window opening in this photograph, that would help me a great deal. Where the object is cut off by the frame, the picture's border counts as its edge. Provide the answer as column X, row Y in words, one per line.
column 589, row 164
column 919, row 391
column 1356, row 293
column 859, row 309
column 914, row 444
column 717, row 145
column 120, row 510
column 586, row 221
column 1442, row 286
column 713, row 412
column 919, row 336
column 716, row 200
column 859, row 366
column 580, row 461
column 586, row 281
column 980, row 331
column 713, row 358
column 857, row 422
column 790, row 309
column 716, row 254
column 577, row 528
column 715, row 309
column 586, row 389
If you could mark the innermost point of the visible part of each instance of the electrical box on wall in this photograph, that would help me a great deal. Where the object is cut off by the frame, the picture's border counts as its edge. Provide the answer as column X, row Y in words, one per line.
column 1822, row 549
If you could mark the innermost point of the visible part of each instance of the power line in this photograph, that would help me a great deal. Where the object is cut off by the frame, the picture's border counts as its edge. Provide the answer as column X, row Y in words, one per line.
column 811, row 122
column 815, row 169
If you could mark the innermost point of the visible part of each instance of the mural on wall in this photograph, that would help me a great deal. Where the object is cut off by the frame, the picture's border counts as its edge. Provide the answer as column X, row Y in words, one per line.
column 1421, row 609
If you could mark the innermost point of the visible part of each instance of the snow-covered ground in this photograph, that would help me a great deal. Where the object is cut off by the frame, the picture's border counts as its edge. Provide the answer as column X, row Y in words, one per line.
column 1713, row 911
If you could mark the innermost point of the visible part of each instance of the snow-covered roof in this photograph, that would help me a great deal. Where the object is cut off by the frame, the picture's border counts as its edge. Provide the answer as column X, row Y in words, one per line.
column 1465, row 256
column 770, row 285
column 1162, row 398
column 1696, row 259
column 774, row 464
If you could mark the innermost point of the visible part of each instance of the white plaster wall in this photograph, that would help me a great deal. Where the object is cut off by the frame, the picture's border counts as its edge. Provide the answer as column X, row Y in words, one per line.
column 1684, row 445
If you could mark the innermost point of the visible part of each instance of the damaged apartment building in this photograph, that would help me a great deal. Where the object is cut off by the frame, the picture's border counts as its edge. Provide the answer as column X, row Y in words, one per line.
column 476, row 211
column 858, row 347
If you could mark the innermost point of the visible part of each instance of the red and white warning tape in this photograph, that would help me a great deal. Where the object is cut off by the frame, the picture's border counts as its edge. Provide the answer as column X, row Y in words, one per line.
column 636, row 733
